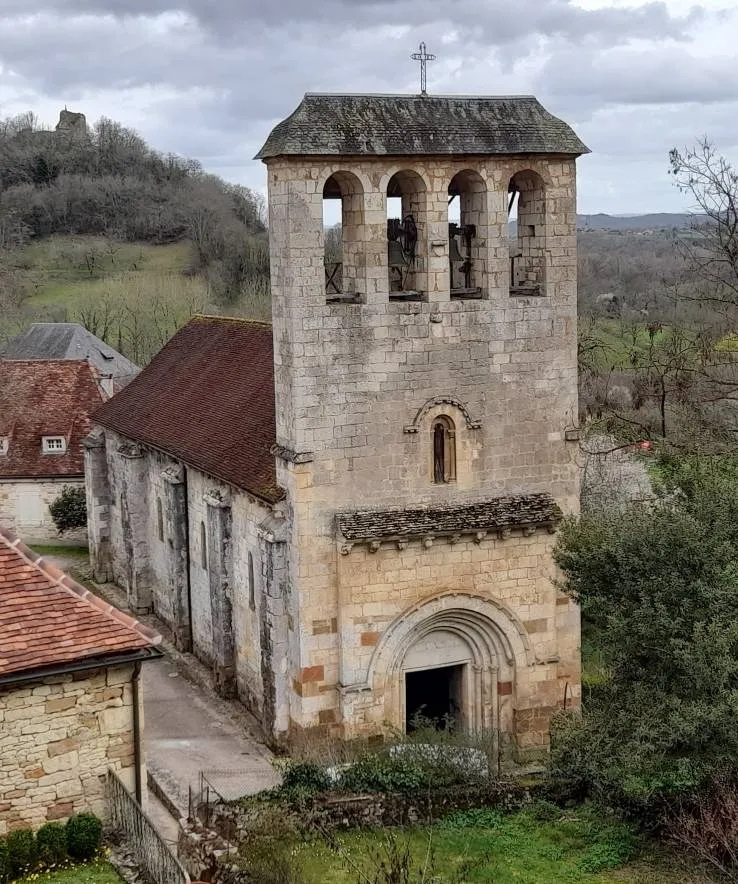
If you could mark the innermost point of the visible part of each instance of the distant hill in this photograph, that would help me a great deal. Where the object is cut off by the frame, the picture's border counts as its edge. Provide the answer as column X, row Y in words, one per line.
column 654, row 221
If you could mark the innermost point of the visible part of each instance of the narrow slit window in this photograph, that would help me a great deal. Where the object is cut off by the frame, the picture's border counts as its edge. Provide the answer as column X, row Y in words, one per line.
column 203, row 547
column 159, row 520
column 252, row 589
column 444, row 450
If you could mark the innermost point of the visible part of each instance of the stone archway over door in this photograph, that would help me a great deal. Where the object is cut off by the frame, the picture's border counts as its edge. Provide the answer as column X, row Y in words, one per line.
column 455, row 629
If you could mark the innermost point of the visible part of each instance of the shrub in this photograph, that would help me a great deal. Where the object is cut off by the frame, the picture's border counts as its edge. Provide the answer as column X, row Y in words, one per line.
column 4, row 861
column 21, row 846
column 707, row 825
column 51, row 840
column 379, row 772
column 306, row 777
column 84, row 836
column 69, row 510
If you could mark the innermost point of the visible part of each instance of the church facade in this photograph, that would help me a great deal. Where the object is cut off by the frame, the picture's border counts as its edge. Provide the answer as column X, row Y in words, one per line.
column 373, row 543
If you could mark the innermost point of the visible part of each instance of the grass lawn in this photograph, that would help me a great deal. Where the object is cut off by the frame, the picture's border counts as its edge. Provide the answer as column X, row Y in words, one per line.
column 68, row 552
column 97, row 873
column 514, row 849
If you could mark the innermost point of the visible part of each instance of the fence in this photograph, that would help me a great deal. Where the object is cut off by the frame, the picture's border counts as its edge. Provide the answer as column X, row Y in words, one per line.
column 152, row 852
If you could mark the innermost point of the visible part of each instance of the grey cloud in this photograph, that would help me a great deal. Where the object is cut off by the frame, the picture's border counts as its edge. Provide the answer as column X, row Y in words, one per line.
column 497, row 21
column 670, row 75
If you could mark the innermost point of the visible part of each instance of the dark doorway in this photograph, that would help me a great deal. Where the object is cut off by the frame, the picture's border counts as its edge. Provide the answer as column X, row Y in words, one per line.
column 434, row 694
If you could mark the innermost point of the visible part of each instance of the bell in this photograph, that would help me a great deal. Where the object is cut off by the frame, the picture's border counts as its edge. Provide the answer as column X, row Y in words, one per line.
column 395, row 257
column 454, row 255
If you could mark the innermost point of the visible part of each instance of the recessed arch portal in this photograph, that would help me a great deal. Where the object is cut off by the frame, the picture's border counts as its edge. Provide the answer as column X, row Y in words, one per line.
column 479, row 634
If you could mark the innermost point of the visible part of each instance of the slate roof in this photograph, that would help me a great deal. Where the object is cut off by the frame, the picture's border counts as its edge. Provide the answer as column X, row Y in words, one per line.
column 364, row 125
column 48, row 620
column 45, row 398
column 207, row 398
column 69, row 340
column 498, row 513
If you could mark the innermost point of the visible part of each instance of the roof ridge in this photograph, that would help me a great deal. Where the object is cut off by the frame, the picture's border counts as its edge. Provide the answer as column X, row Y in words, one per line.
column 57, row 577
column 241, row 319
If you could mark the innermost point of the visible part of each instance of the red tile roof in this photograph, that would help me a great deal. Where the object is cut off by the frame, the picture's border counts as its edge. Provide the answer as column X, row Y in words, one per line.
column 207, row 399
column 47, row 620
column 45, row 398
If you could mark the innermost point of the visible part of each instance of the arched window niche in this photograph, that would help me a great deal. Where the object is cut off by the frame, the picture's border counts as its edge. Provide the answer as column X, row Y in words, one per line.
column 527, row 200
column 468, row 235
column 203, row 547
column 443, row 450
column 344, row 254
column 407, row 259
column 252, row 587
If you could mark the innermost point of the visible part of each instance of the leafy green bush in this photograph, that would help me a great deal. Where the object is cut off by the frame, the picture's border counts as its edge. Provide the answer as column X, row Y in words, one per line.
column 659, row 584
column 306, row 777
column 84, row 836
column 21, row 846
column 69, row 509
column 380, row 772
column 51, row 840
column 4, row 861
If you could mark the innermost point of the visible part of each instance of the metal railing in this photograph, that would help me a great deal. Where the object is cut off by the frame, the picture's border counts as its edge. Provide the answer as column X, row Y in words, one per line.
column 150, row 849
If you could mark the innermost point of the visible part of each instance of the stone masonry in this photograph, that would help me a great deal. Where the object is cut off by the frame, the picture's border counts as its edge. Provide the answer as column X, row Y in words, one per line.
column 57, row 740
column 351, row 378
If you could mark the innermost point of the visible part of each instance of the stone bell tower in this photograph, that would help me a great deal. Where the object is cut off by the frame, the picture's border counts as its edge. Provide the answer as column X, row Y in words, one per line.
column 426, row 394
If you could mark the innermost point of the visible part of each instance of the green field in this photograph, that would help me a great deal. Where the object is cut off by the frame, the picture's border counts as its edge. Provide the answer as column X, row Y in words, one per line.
column 97, row 873
column 484, row 847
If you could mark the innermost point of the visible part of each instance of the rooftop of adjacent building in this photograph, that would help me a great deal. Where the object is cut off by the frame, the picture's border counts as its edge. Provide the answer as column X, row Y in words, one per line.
column 69, row 340
column 49, row 622
column 41, row 400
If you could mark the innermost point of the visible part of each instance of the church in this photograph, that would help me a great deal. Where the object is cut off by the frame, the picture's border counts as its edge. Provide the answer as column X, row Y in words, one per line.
column 349, row 513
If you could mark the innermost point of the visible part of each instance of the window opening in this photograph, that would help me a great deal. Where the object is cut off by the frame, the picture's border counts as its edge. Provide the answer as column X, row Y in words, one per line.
column 444, row 451
column 159, row 520
column 54, row 444
column 526, row 217
column 343, row 246
column 467, row 234
column 203, row 547
column 406, row 216
column 252, row 589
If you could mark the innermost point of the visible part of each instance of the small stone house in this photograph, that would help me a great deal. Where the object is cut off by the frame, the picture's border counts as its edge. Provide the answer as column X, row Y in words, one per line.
column 44, row 416
column 350, row 515
column 71, row 704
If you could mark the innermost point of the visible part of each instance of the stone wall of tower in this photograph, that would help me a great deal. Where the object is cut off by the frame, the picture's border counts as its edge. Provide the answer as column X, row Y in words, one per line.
column 352, row 378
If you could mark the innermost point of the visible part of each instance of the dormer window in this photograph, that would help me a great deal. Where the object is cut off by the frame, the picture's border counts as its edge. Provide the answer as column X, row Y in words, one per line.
column 53, row 445
column 4, row 445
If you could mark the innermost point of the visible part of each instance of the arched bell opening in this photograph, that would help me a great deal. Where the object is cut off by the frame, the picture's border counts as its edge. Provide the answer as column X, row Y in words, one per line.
column 467, row 234
column 527, row 207
column 344, row 254
column 407, row 257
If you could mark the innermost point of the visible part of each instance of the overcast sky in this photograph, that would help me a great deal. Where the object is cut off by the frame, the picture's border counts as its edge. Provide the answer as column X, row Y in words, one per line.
column 209, row 78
